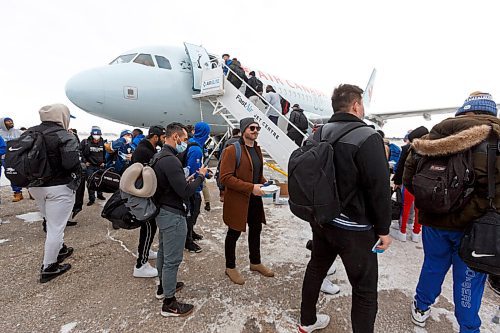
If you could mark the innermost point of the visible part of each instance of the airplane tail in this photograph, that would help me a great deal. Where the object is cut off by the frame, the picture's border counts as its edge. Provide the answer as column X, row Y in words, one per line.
column 367, row 95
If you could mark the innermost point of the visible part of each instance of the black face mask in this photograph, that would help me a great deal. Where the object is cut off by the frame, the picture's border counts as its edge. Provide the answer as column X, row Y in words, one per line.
column 160, row 143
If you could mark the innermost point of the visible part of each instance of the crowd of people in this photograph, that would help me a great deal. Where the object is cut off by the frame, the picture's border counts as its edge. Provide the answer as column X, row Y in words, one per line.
column 363, row 161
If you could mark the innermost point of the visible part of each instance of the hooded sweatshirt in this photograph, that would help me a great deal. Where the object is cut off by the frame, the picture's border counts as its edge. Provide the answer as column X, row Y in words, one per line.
column 195, row 152
column 8, row 134
column 62, row 146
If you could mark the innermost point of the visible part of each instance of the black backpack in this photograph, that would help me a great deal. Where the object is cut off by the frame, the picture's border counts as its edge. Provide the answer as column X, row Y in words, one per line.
column 26, row 160
column 443, row 184
column 480, row 245
column 259, row 86
column 312, row 186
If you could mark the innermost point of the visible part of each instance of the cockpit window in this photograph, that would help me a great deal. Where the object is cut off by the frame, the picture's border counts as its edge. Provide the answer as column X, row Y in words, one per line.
column 123, row 59
column 163, row 62
column 144, row 59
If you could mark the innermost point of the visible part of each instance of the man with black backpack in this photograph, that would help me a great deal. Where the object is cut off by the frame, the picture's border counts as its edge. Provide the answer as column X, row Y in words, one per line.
column 299, row 119
column 54, row 191
column 447, row 174
column 362, row 226
column 144, row 152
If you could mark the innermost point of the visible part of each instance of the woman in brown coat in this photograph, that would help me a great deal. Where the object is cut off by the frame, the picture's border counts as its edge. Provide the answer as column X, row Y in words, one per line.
column 243, row 199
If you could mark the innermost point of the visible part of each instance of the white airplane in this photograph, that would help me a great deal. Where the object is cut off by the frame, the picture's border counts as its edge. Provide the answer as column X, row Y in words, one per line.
column 152, row 85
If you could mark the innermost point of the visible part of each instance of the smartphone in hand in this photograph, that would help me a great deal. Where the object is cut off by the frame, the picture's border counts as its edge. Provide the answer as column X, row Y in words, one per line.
column 269, row 182
column 374, row 248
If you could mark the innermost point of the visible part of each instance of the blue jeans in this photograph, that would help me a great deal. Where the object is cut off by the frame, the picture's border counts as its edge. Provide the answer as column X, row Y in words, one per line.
column 172, row 236
column 440, row 252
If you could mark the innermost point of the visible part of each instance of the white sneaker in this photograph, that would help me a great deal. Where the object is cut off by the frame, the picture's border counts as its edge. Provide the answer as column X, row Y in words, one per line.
column 328, row 287
column 152, row 255
column 397, row 234
column 418, row 317
column 416, row 237
column 395, row 224
column 146, row 271
column 322, row 321
column 332, row 270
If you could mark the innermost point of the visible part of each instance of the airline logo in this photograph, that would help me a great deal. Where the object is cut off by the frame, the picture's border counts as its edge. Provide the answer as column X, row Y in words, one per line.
column 477, row 255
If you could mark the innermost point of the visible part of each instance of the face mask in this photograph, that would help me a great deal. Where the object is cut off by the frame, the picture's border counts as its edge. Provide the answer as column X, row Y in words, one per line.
column 96, row 137
column 128, row 139
column 181, row 147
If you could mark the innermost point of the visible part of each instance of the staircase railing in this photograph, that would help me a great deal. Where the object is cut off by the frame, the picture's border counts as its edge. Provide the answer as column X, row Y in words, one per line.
column 269, row 105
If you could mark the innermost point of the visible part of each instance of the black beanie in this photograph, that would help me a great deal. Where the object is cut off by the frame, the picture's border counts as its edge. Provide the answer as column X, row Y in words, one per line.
column 245, row 122
column 417, row 133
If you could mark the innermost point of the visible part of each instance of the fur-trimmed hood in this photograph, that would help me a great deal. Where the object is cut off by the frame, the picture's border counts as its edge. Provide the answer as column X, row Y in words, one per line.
column 454, row 143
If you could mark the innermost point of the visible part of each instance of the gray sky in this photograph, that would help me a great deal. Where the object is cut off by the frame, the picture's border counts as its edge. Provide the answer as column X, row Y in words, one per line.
column 427, row 53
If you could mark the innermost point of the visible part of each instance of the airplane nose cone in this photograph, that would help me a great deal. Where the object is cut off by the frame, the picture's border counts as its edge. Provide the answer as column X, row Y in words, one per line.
column 86, row 90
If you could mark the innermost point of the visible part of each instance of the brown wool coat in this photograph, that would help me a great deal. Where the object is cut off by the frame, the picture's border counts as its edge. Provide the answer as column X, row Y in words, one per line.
column 238, row 187
column 451, row 136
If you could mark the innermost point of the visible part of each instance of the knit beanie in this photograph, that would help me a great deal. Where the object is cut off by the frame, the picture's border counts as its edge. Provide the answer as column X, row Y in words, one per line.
column 245, row 122
column 96, row 130
column 125, row 132
column 478, row 101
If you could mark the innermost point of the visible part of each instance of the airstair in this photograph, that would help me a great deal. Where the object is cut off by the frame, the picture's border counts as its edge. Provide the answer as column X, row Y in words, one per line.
column 232, row 105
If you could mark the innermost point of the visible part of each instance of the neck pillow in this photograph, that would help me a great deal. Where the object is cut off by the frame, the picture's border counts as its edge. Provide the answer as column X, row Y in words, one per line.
column 139, row 180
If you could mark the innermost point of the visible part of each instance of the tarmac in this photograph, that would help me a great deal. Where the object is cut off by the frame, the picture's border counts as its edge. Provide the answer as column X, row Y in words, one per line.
column 99, row 293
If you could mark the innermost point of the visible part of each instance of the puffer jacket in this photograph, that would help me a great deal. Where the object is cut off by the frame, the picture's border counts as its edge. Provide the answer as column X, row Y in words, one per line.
column 454, row 135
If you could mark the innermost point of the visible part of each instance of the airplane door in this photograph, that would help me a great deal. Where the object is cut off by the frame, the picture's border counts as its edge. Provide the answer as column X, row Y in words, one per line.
column 199, row 61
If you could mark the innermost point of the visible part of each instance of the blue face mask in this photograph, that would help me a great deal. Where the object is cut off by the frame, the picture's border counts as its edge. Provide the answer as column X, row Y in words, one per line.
column 181, row 147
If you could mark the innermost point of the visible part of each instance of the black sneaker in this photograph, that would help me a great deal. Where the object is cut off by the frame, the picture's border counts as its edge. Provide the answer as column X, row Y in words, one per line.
column 101, row 197
column 44, row 225
column 90, row 203
column 75, row 212
column 53, row 271
column 193, row 247
column 494, row 283
column 173, row 308
column 207, row 206
column 197, row 236
column 71, row 223
column 159, row 292
column 64, row 253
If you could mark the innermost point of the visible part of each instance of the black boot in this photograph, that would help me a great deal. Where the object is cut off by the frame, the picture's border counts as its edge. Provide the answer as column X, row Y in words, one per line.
column 207, row 206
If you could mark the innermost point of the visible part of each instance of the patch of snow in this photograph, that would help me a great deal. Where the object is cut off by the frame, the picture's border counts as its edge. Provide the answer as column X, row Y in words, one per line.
column 68, row 327
column 30, row 217
column 121, row 243
column 4, row 241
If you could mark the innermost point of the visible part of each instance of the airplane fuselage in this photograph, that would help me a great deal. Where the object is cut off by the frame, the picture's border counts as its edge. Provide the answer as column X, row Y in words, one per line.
column 140, row 95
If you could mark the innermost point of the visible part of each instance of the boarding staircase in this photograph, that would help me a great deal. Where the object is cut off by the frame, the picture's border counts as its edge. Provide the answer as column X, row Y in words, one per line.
column 232, row 105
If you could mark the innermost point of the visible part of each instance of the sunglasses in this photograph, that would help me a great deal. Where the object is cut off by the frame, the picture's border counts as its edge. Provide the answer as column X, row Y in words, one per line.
column 253, row 128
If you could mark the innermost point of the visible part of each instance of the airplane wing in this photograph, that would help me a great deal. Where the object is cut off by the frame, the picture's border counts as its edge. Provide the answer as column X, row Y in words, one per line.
column 380, row 118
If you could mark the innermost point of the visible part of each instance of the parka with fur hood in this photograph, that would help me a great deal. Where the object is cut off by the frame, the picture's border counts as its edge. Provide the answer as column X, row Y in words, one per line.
column 454, row 135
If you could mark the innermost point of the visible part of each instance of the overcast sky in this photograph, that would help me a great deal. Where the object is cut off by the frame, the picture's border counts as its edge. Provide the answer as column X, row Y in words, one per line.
column 427, row 53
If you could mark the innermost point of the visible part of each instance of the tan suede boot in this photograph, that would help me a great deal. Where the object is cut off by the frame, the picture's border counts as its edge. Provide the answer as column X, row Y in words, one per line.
column 262, row 270
column 235, row 276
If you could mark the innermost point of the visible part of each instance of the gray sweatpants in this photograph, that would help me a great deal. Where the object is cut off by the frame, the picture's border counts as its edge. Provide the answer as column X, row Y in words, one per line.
column 55, row 204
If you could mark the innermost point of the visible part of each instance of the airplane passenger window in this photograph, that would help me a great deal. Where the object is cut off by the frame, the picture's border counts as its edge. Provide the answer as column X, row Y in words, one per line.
column 123, row 59
column 144, row 59
column 163, row 62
